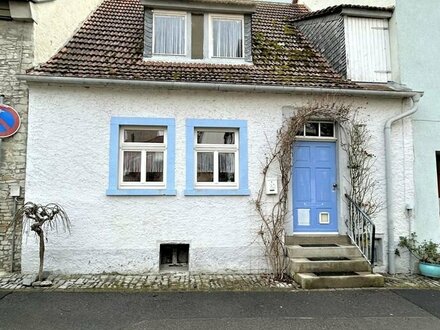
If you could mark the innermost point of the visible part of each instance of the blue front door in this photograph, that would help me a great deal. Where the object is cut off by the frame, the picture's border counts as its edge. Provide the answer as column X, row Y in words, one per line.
column 314, row 187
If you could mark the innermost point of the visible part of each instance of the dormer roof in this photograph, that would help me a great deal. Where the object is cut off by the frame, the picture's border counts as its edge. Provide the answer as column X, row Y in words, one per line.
column 110, row 46
column 350, row 10
column 220, row 6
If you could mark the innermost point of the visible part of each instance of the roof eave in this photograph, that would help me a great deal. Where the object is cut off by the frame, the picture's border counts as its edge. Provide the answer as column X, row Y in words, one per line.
column 218, row 87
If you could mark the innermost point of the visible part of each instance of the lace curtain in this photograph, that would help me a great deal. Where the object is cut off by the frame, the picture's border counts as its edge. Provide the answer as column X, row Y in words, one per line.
column 169, row 34
column 205, row 162
column 227, row 38
column 132, row 162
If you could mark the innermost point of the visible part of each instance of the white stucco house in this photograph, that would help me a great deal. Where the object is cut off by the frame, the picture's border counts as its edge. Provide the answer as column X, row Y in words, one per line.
column 150, row 128
column 31, row 31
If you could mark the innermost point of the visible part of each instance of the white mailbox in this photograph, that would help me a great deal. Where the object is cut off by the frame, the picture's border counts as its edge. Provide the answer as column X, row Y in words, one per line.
column 271, row 186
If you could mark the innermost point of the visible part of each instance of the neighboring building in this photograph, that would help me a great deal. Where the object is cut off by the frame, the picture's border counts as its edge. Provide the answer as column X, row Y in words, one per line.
column 418, row 44
column 414, row 51
column 153, row 138
column 30, row 32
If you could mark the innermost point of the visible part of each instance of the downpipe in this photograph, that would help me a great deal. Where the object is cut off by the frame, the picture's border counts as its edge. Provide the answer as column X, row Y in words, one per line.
column 389, row 180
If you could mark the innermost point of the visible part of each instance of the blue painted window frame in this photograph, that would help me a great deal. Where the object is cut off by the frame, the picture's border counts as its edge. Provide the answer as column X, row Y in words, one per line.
column 241, row 125
column 113, row 178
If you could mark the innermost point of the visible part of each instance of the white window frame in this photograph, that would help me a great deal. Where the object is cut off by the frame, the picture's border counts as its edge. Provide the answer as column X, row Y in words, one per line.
column 216, row 149
column 319, row 137
column 186, row 34
column 143, row 148
column 211, row 17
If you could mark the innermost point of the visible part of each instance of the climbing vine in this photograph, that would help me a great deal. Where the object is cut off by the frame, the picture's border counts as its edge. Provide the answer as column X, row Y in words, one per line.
column 273, row 213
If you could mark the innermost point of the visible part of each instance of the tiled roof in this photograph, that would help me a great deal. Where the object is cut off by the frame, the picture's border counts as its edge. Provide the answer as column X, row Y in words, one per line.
column 110, row 45
column 338, row 9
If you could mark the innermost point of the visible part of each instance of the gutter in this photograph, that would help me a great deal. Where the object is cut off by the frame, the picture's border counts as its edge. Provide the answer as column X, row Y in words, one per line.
column 216, row 87
column 389, row 180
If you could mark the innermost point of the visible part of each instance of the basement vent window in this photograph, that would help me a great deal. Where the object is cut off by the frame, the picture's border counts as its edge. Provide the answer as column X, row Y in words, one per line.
column 4, row 10
column 378, row 251
column 174, row 257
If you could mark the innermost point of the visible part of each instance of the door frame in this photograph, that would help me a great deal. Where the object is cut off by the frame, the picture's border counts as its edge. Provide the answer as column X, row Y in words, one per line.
column 340, row 223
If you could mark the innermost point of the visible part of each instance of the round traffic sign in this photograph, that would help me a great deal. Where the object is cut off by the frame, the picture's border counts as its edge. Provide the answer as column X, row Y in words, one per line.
column 9, row 121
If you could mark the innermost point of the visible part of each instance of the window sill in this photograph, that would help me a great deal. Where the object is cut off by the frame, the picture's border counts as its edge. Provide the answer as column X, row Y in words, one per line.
column 217, row 192
column 141, row 192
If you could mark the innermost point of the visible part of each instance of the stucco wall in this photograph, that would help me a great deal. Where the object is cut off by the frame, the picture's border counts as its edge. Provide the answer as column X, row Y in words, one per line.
column 56, row 21
column 68, row 163
column 15, row 58
column 320, row 4
column 418, row 38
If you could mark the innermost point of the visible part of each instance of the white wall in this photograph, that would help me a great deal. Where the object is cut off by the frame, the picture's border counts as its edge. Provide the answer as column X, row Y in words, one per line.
column 418, row 40
column 320, row 4
column 55, row 23
column 68, row 154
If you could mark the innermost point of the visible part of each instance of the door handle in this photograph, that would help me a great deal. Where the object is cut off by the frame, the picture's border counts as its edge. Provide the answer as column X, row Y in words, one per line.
column 335, row 185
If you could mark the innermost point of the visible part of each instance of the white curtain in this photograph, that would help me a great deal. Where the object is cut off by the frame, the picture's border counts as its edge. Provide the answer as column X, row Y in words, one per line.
column 132, row 162
column 155, row 162
column 226, row 163
column 205, row 162
column 169, row 34
column 227, row 38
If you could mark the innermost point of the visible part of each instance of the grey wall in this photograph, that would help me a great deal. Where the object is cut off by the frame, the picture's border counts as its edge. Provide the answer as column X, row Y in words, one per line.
column 327, row 36
column 16, row 56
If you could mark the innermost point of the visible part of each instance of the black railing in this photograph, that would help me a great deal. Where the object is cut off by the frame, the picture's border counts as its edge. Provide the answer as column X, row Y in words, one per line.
column 361, row 230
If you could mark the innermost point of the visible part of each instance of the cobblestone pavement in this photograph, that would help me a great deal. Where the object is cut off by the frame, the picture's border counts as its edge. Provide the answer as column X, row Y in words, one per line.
column 188, row 282
column 158, row 282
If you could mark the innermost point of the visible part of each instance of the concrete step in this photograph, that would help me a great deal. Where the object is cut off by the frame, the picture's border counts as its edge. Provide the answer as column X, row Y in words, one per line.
column 317, row 239
column 347, row 251
column 327, row 281
column 305, row 265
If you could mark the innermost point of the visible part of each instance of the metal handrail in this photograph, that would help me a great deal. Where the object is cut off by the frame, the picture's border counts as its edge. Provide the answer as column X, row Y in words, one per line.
column 361, row 230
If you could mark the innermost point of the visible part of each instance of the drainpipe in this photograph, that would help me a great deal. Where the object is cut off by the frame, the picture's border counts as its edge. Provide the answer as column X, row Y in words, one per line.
column 389, row 182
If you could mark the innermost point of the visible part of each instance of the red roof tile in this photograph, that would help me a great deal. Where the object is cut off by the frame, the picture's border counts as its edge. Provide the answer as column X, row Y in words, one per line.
column 110, row 45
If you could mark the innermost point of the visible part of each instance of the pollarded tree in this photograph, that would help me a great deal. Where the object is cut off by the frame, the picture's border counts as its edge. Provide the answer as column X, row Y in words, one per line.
column 40, row 218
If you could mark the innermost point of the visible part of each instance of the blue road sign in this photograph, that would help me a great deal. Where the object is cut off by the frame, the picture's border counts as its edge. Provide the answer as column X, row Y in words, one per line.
column 9, row 121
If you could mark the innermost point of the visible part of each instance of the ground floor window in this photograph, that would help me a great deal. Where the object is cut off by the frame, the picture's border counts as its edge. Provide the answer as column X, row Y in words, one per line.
column 217, row 157
column 142, row 156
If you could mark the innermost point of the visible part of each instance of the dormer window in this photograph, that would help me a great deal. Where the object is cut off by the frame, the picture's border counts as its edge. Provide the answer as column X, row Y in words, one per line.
column 367, row 43
column 211, row 31
column 226, row 36
column 356, row 41
column 169, row 33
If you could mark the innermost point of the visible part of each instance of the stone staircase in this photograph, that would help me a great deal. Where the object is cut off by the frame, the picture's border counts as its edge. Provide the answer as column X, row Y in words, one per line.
column 328, row 261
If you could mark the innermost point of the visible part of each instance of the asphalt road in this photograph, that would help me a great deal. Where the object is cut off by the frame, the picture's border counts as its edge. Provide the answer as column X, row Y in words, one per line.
column 342, row 309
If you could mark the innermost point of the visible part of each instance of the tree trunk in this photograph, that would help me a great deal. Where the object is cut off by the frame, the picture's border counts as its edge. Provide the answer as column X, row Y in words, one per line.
column 40, row 271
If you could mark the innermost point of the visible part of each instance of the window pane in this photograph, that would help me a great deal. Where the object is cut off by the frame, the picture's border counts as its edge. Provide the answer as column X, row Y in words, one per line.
column 143, row 136
column 205, row 167
column 227, row 38
column 300, row 132
column 132, row 166
column 312, row 129
column 327, row 129
column 169, row 35
column 226, row 167
column 154, row 167
column 210, row 137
